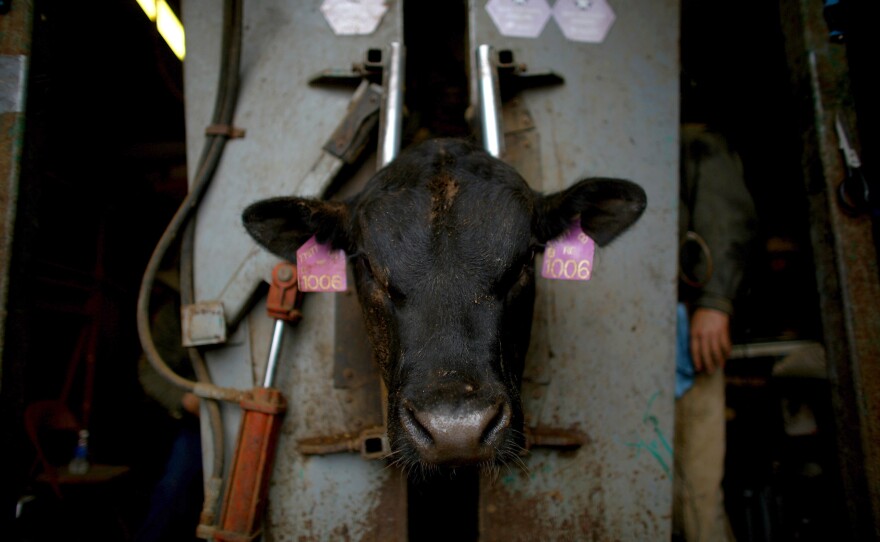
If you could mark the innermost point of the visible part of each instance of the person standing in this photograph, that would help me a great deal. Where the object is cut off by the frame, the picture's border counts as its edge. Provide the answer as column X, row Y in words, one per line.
column 717, row 224
column 177, row 497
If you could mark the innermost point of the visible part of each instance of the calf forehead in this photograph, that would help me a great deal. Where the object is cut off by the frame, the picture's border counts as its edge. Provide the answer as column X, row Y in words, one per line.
column 443, row 207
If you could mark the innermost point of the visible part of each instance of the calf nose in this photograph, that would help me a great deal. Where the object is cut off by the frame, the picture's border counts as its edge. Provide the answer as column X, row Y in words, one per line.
column 456, row 435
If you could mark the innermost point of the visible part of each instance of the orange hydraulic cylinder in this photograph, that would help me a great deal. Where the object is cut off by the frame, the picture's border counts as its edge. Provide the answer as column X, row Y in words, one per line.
column 248, row 483
column 247, row 489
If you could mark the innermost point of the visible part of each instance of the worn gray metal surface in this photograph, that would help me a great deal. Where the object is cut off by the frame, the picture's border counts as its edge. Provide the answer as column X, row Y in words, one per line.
column 286, row 122
column 602, row 355
column 602, row 358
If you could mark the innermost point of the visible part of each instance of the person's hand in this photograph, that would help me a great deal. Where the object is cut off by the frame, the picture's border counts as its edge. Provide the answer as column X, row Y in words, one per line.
column 710, row 339
column 191, row 403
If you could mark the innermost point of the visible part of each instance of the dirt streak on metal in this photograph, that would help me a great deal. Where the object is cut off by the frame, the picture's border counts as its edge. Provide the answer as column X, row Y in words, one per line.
column 513, row 514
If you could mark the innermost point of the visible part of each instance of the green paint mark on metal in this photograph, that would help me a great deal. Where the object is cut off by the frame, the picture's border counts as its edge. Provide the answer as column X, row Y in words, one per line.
column 658, row 446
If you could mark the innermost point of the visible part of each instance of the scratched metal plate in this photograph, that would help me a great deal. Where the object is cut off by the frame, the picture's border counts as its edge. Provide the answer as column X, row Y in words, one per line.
column 287, row 122
column 602, row 358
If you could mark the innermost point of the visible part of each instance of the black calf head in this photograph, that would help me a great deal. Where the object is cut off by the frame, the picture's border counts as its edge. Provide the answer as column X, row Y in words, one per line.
column 442, row 242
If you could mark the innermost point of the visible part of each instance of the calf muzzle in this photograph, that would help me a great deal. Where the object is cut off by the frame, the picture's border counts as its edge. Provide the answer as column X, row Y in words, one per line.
column 459, row 430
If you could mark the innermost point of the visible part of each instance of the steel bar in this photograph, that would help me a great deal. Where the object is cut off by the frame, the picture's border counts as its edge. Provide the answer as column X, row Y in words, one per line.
column 490, row 101
column 391, row 115
column 274, row 352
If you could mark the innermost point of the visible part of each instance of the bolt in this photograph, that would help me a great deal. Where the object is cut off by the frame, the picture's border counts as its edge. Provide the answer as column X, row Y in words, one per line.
column 285, row 273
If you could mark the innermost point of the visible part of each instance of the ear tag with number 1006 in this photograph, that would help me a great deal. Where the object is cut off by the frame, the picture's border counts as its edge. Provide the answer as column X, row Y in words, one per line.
column 320, row 268
column 569, row 256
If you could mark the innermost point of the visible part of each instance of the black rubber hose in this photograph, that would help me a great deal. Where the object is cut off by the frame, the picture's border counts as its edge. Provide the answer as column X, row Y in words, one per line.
column 199, row 365
column 223, row 111
column 224, row 107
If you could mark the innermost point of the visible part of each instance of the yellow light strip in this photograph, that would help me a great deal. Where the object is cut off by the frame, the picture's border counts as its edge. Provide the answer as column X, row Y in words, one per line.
column 170, row 29
column 149, row 7
column 167, row 23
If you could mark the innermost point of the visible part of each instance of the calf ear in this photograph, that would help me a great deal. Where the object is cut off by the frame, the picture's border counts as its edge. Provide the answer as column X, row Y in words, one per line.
column 282, row 225
column 607, row 207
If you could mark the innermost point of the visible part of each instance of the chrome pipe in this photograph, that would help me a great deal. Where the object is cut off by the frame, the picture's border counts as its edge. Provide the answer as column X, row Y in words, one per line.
column 489, row 96
column 274, row 354
column 391, row 114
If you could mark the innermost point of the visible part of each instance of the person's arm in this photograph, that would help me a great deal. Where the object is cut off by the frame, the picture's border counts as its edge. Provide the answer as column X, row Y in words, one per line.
column 724, row 215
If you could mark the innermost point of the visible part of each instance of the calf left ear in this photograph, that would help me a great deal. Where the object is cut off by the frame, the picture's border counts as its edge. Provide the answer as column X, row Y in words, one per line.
column 607, row 207
column 283, row 224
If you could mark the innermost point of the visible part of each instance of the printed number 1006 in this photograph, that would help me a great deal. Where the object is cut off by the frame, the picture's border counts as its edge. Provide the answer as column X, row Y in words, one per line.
column 558, row 268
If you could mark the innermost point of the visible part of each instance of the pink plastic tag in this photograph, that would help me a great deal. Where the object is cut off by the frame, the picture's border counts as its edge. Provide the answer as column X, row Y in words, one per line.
column 569, row 256
column 320, row 268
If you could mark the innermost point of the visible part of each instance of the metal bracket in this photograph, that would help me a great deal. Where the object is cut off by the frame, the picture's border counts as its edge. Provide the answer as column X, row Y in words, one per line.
column 373, row 443
column 352, row 135
column 232, row 132
column 500, row 77
column 514, row 77
column 552, row 437
column 380, row 77
column 369, row 69
column 203, row 323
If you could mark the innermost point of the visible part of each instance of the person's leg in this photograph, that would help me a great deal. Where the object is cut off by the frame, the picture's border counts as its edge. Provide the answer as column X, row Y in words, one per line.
column 698, row 510
column 177, row 498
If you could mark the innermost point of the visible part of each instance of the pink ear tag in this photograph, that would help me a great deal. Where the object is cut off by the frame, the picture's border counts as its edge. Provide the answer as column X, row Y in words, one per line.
column 569, row 256
column 320, row 268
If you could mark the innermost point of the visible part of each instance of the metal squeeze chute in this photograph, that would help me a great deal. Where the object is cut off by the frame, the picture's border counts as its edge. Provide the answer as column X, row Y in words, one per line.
column 587, row 372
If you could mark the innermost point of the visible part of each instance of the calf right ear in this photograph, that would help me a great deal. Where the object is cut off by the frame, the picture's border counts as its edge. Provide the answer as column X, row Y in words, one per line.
column 283, row 224
column 607, row 207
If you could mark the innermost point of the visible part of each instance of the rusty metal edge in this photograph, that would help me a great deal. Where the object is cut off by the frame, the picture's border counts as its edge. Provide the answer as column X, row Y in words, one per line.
column 16, row 29
column 846, row 265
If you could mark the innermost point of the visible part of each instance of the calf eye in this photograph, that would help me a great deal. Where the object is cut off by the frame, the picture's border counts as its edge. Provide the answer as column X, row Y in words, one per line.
column 511, row 277
column 394, row 293
column 364, row 263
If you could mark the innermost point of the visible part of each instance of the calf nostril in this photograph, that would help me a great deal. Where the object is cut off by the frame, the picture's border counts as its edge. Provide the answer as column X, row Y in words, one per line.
column 410, row 419
column 497, row 424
